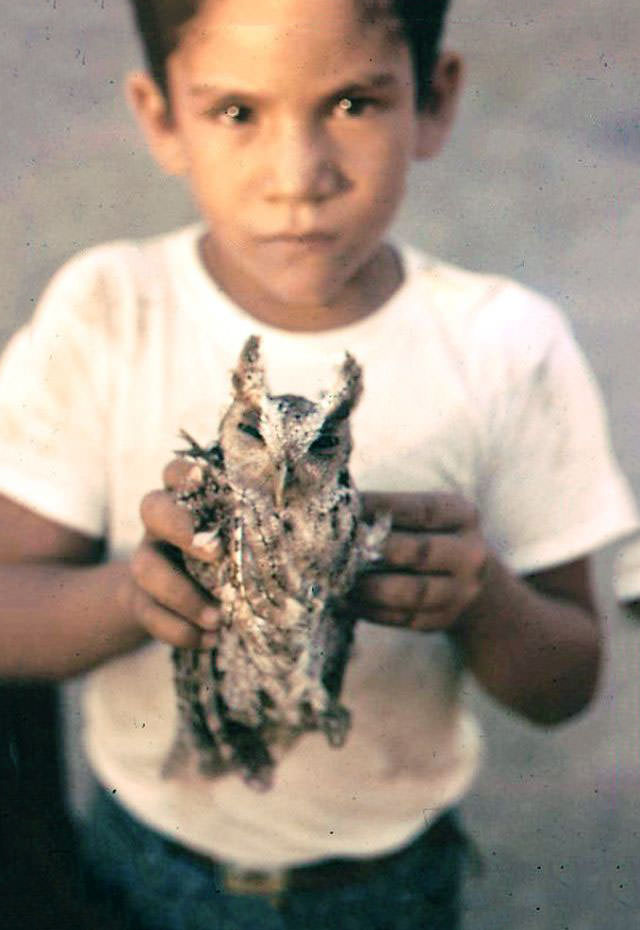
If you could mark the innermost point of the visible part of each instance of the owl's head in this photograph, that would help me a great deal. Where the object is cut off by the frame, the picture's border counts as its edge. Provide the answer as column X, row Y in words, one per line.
column 287, row 445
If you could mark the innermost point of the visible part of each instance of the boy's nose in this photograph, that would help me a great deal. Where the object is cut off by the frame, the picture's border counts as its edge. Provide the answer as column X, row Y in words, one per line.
column 301, row 165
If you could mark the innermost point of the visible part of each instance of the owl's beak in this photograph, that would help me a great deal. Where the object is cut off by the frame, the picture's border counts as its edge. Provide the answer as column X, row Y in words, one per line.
column 283, row 476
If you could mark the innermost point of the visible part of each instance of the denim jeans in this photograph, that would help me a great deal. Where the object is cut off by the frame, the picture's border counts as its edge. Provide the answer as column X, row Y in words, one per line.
column 148, row 883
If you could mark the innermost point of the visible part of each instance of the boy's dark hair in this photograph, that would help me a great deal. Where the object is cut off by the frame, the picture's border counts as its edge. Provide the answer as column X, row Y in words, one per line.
column 422, row 21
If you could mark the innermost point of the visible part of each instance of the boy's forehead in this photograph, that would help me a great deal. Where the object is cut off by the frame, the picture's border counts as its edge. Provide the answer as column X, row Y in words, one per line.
column 297, row 15
column 266, row 42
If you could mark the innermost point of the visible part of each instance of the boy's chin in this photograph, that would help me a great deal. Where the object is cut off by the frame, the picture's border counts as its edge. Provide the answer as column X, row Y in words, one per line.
column 295, row 301
column 301, row 297
column 298, row 288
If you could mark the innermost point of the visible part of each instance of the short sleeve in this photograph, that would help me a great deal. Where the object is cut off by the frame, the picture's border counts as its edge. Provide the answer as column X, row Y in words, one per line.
column 54, row 376
column 552, row 490
column 626, row 571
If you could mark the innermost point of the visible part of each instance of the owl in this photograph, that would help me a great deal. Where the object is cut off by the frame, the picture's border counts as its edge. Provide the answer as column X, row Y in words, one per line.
column 273, row 500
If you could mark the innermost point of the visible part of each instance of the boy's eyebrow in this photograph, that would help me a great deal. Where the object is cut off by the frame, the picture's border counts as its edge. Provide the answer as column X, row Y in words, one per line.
column 371, row 81
column 376, row 81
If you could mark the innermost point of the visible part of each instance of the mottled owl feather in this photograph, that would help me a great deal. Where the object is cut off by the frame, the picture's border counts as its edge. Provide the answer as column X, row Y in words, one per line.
column 273, row 499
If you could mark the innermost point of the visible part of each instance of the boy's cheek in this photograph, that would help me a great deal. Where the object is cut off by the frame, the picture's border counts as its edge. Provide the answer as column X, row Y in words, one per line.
column 382, row 161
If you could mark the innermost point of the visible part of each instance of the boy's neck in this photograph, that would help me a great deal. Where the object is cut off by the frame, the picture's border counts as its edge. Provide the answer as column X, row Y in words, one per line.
column 374, row 284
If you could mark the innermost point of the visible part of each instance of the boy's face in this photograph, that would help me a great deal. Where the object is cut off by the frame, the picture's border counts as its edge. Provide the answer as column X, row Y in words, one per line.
column 294, row 123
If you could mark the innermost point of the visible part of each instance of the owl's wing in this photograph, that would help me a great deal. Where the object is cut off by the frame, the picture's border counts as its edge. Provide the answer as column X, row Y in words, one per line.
column 198, row 733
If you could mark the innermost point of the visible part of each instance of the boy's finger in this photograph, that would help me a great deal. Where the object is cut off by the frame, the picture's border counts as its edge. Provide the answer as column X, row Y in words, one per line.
column 163, row 624
column 171, row 522
column 404, row 592
column 425, row 621
column 181, row 472
column 410, row 551
column 165, row 519
column 451, row 553
column 421, row 510
column 171, row 587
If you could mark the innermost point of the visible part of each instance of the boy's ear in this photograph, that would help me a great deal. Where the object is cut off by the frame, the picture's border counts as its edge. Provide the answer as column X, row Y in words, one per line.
column 437, row 115
column 152, row 112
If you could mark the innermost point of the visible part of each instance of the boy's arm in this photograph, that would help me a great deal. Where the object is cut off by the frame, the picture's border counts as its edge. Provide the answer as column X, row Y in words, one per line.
column 63, row 610
column 533, row 643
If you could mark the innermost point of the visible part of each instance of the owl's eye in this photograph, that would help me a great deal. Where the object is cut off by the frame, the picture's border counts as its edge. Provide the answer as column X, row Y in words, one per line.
column 341, row 413
column 324, row 444
column 251, row 430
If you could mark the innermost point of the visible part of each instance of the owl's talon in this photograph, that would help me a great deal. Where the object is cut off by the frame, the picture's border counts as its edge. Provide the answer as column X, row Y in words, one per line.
column 210, row 766
column 335, row 725
column 261, row 780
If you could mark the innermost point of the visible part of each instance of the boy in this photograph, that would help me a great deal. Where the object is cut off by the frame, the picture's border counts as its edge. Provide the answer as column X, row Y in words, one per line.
column 294, row 123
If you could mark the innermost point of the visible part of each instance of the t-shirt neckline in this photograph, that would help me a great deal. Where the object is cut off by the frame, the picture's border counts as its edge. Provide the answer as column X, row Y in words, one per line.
column 203, row 289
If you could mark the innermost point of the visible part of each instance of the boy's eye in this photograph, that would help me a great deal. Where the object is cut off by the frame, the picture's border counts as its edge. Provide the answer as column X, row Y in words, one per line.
column 233, row 114
column 352, row 105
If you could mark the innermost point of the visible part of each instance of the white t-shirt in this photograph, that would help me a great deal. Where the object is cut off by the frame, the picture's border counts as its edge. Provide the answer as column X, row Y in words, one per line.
column 626, row 571
column 472, row 384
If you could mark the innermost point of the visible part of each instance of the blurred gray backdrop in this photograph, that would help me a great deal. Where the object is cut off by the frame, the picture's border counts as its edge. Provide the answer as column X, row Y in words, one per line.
column 540, row 182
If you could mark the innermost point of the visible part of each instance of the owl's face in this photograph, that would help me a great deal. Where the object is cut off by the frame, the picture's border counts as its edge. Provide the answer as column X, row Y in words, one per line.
column 286, row 446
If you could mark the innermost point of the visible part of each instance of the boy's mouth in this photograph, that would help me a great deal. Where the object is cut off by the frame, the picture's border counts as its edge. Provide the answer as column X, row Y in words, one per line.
column 311, row 237
column 291, row 247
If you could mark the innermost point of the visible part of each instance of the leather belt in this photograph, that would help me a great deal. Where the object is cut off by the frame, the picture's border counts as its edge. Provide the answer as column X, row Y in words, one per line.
column 273, row 883
column 328, row 874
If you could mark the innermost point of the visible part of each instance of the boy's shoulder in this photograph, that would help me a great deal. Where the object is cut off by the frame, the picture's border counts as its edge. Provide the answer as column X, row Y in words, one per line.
column 126, row 255
column 478, row 307
column 116, row 279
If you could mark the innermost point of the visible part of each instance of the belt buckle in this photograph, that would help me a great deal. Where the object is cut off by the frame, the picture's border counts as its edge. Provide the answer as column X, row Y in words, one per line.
column 270, row 884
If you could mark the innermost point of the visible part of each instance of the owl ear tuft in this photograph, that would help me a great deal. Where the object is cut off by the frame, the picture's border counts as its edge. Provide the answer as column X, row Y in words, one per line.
column 340, row 401
column 248, row 379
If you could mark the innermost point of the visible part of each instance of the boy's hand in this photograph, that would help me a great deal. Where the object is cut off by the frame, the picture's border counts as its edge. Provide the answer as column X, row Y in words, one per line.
column 434, row 566
column 166, row 601
column 531, row 642
column 435, row 561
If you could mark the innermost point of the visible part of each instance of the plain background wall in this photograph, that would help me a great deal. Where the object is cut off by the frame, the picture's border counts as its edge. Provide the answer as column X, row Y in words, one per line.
column 539, row 182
